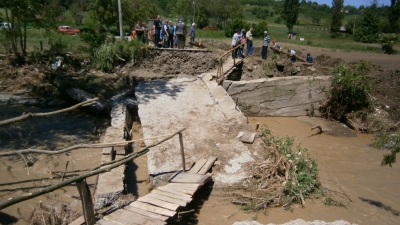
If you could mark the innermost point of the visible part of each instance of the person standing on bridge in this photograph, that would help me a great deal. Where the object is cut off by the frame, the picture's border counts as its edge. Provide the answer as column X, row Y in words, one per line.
column 157, row 29
column 249, row 37
column 180, row 33
column 192, row 34
column 264, row 50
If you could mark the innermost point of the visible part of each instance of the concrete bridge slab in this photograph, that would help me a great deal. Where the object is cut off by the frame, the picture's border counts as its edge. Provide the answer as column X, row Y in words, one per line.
column 209, row 115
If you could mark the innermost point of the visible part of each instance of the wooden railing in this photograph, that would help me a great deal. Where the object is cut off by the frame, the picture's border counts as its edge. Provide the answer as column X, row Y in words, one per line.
column 220, row 69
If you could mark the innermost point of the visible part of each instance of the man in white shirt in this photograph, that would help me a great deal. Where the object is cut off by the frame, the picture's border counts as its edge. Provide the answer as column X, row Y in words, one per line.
column 249, row 37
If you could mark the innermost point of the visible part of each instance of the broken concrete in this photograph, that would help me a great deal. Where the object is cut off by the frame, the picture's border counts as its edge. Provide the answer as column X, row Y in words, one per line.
column 111, row 184
column 280, row 96
column 211, row 122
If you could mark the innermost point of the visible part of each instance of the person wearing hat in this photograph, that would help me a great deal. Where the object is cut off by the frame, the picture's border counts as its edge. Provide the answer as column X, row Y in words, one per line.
column 276, row 45
column 192, row 34
column 265, row 46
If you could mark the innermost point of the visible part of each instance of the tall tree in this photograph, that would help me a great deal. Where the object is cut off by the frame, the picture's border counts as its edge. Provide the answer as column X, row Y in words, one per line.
column 105, row 12
column 394, row 16
column 134, row 10
column 368, row 28
column 224, row 10
column 290, row 12
column 20, row 13
column 337, row 15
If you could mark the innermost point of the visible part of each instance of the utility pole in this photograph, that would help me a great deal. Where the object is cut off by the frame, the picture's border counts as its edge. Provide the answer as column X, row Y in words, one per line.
column 121, row 31
column 194, row 9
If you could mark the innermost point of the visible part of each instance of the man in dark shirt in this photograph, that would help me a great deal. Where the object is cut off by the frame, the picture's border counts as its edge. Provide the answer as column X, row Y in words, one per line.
column 157, row 28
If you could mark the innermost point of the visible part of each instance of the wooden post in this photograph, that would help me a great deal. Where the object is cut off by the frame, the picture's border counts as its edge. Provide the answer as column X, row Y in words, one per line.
column 182, row 152
column 41, row 46
column 66, row 167
column 113, row 153
column 87, row 203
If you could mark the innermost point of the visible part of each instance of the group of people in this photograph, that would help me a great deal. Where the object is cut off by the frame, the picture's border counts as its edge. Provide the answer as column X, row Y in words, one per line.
column 166, row 35
column 241, row 37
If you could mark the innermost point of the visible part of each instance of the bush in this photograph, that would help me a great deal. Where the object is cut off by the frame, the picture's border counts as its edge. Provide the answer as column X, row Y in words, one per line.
column 235, row 24
column 92, row 38
column 260, row 28
column 112, row 54
column 303, row 169
column 278, row 20
column 350, row 87
column 388, row 41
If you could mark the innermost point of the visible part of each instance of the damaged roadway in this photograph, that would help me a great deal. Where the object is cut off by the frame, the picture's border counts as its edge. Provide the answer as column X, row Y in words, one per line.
column 211, row 120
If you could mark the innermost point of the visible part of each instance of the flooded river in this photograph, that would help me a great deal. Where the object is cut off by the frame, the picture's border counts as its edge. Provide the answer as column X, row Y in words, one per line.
column 48, row 133
column 346, row 163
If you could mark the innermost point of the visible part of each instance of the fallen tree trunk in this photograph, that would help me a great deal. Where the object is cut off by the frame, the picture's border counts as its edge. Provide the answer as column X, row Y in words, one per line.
column 78, row 94
column 198, row 44
column 28, row 115
column 287, row 53
column 95, row 171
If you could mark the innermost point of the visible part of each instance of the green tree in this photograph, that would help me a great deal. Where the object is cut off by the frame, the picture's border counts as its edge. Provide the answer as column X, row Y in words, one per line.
column 183, row 9
column 134, row 10
column 202, row 17
column 223, row 10
column 290, row 12
column 367, row 29
column 337, row 15
column 105, row 12
column 260, row 28
column 19, row 13
column 235, row 24
column 394, row 16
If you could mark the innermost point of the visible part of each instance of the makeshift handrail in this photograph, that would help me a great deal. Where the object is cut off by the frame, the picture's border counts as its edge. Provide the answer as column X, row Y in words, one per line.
column 220, row 70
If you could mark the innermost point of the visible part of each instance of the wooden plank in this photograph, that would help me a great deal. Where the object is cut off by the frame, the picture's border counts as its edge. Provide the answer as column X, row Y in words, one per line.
column 168, row 199
column 183, row 185
column 197, row 166
column 79, row 221
column 177, row 191
column 106, row 222
column 208, row 164
column 172, row 195
column 158, row 202
column 190, row 178
column 153, row 209
column 147, row 213
column 126, row 217
column 184, row 191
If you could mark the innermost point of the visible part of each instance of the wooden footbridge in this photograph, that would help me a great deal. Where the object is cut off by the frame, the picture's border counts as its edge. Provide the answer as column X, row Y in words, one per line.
column 163, row 203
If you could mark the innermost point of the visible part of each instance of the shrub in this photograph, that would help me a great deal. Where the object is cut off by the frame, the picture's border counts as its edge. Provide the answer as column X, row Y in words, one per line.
column 388, row 41
column 350, row 87
column 303, row 170
column 111, row 54
column 235, row 24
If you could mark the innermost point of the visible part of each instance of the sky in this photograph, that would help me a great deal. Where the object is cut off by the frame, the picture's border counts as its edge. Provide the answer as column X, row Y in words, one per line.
column 355, row 3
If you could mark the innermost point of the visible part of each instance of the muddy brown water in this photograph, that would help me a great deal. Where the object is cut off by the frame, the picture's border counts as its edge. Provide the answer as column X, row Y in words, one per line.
column 48, row 133
column 346, row 162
